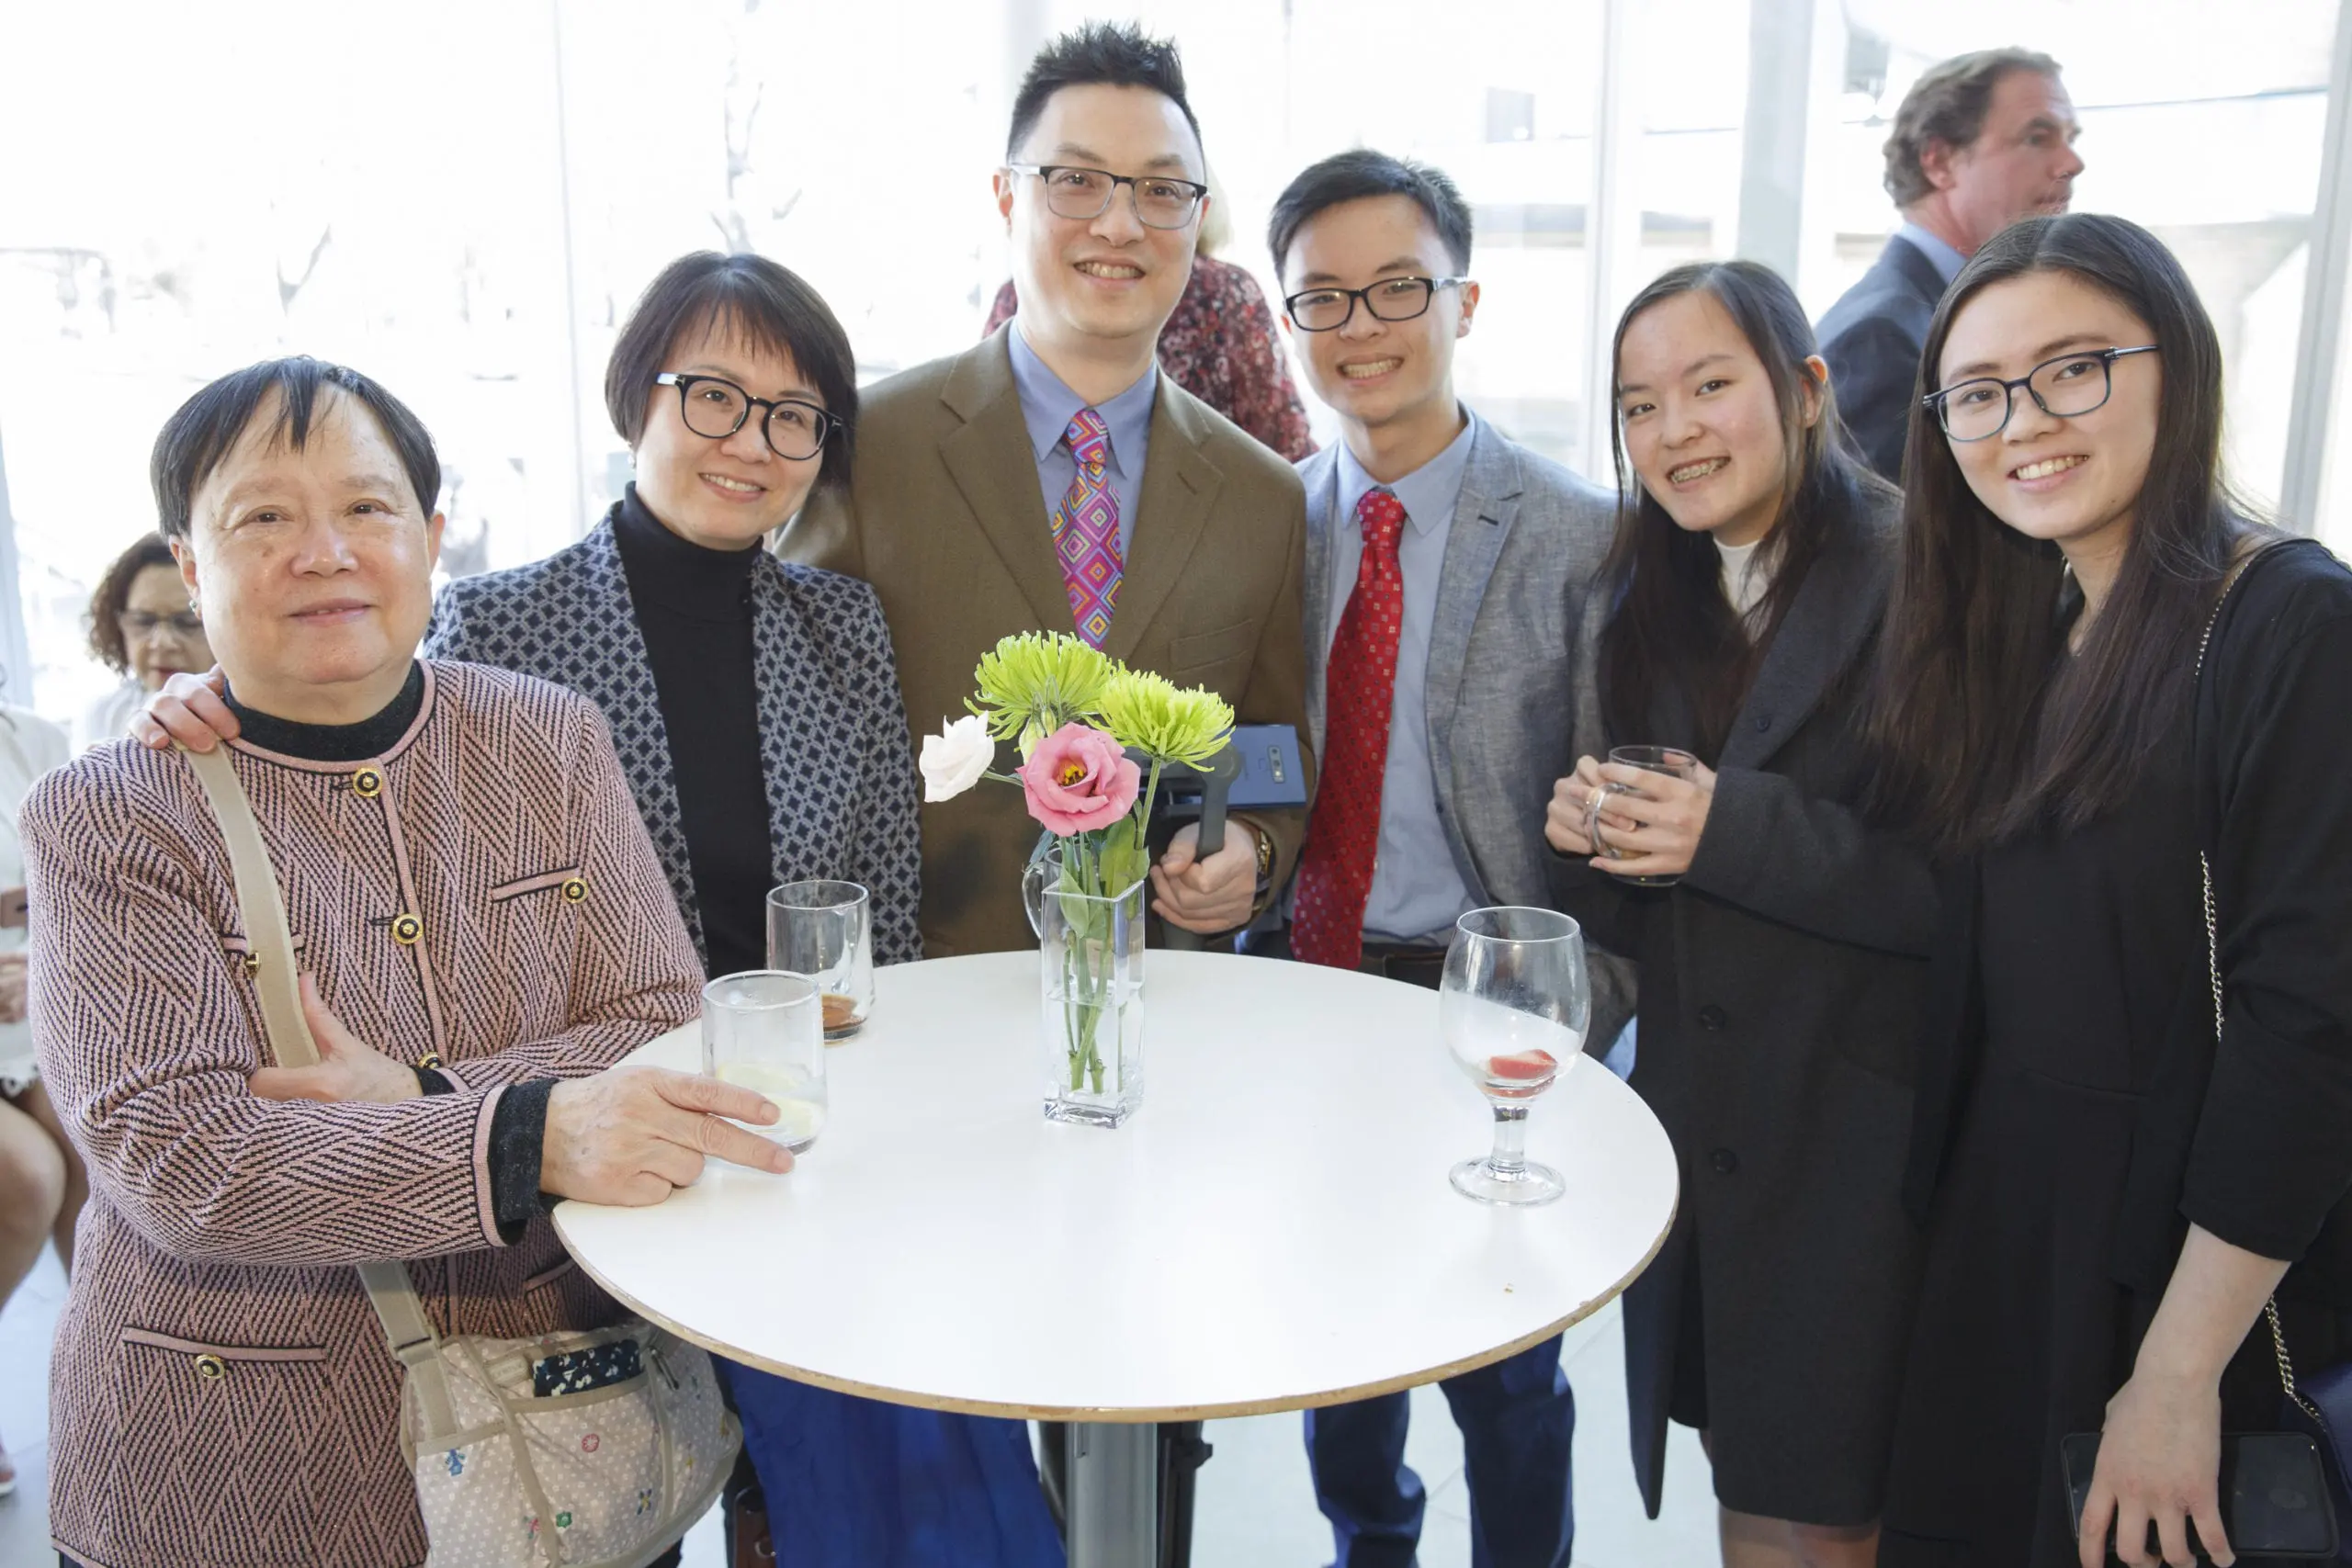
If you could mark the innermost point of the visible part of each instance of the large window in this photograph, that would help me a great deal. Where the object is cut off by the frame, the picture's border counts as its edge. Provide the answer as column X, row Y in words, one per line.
column 464, row 200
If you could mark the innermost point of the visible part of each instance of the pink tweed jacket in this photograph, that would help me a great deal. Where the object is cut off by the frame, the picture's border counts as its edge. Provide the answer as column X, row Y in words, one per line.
column 483, row 895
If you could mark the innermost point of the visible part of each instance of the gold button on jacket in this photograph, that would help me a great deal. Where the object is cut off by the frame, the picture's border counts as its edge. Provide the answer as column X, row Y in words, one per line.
column 367, row 783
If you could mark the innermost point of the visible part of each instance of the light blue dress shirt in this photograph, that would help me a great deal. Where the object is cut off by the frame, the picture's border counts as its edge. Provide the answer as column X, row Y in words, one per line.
column 1948, row 261
column 1047, row 407
column 1417, row 891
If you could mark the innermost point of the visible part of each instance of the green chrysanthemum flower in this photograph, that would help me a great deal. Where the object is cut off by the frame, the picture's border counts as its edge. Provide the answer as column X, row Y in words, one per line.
column 1037, row 681
column 1167, row 723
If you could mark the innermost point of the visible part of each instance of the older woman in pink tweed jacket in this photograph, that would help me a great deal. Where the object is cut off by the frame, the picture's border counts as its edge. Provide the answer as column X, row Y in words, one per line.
column 469, row 885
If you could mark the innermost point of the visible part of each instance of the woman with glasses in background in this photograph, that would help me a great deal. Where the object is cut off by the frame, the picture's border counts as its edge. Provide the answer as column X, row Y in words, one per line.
column 143, row 628
column 756, row 708
column 2099, row 672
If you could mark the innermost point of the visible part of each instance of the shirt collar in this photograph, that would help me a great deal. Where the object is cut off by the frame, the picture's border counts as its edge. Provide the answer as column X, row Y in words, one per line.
column 1048, row 405
column 1948, row 261
column 1428, row 493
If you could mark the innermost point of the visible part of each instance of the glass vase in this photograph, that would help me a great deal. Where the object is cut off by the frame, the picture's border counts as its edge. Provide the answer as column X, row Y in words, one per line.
column 1091, row 994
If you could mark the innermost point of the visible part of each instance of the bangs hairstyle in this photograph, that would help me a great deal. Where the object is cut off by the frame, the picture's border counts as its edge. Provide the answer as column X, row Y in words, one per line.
column 113, row 594
column 1105, row 54
column 754, row 303
column 199, row 437
column 1984, row 728
column 1362, row 172
column 1671, row 625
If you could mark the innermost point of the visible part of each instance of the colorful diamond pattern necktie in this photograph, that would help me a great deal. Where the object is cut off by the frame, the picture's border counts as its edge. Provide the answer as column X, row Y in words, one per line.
column 1359, row 690
column 1085, row 531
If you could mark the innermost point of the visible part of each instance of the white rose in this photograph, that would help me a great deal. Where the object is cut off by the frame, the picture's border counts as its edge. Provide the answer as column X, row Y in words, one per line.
column 954, row 760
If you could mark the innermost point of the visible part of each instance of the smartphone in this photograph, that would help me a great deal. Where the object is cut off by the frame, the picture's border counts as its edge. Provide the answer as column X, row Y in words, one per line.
column 2274, row 1494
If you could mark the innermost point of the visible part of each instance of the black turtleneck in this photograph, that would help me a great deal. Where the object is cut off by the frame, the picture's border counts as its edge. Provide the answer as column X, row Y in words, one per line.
column 694, row 609
column 518, row 1128
column 334, row 742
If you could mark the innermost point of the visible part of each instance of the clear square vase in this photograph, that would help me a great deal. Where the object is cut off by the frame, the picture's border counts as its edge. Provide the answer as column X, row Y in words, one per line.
column 1089, row 983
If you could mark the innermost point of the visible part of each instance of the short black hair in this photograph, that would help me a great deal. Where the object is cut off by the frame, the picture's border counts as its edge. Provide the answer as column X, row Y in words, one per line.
column 1109, row 54
column 765, row 306
column 1360, row 173
column 196, row 440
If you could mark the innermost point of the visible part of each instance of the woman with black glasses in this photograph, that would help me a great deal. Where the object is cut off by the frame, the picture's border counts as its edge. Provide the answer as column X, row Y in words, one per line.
column 2100, row 673
column 756, row 708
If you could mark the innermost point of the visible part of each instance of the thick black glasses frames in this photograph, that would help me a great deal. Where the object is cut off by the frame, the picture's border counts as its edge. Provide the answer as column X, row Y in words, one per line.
column 2061, row 387
column 796, row 429
column 1390, row 300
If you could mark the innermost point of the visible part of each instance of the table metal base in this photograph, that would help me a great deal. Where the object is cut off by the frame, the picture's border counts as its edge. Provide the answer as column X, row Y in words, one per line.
column 1113, row 1501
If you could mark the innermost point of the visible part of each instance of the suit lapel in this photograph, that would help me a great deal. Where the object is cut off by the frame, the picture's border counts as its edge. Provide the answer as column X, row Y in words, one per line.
column 1171, row 510
column 1835, row 610
column 1482, row 515
column 992, row 463
column 617, row 675
column 1321, row 475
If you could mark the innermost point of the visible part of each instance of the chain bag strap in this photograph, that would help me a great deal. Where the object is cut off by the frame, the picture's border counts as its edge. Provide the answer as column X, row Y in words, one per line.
column 2213, row 972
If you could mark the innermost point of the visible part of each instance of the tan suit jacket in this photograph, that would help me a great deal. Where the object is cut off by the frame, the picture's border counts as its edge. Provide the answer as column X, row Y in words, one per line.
column 946, row 519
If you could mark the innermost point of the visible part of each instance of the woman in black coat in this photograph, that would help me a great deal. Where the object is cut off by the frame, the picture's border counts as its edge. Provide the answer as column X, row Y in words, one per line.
column 1780, row 975
column 2112, row 1193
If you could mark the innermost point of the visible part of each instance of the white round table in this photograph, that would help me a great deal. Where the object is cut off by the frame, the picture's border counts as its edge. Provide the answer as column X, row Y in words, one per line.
column 1273, row 1230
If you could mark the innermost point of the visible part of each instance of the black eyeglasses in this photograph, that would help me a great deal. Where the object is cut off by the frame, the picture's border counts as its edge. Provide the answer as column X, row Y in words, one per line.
column 2071, row 385
column 715, row 407
column 1085, row 194
column 1390, row 300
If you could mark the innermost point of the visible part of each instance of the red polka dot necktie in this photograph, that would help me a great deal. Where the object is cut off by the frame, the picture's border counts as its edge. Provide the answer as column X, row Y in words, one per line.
column 1359, row 689
column 1085, row 531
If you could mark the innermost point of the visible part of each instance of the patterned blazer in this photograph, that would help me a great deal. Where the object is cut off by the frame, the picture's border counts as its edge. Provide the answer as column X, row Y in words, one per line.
column 220, row 1391
column 840, row 778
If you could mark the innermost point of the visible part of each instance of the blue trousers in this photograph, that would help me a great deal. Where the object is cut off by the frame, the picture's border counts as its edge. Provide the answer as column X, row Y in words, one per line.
column 1517, row 1418
column 859, row 1483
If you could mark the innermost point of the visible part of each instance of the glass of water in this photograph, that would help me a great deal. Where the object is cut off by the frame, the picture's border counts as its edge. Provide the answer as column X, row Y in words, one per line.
column 1513, row 1005
column 825, row 930
column 762, row 1030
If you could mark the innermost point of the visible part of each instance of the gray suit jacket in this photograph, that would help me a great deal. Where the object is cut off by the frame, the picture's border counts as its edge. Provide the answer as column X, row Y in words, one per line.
column 1510, row 709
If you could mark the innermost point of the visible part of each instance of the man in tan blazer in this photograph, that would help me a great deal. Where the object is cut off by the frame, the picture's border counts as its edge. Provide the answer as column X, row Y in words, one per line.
column 968, row 478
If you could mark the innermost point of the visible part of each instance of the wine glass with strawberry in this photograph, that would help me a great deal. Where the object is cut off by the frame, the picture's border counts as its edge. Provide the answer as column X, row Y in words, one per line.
column 1514, row 1007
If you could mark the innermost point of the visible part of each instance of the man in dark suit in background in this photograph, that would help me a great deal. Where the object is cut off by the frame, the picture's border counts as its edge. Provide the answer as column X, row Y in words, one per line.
column 1981, row 141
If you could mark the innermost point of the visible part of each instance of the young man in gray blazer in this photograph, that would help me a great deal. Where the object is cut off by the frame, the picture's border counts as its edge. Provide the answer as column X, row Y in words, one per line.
column 1445, row 565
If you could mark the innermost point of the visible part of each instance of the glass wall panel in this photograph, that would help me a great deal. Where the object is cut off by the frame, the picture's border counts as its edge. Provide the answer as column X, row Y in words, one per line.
column 2196, row 123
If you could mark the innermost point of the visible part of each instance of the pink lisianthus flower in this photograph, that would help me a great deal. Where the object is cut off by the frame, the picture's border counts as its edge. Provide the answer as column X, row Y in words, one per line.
column 1078, row 780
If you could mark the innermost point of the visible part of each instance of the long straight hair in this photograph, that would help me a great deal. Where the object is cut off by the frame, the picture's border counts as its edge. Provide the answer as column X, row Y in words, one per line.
column 1671, row 625
column 1984, row 728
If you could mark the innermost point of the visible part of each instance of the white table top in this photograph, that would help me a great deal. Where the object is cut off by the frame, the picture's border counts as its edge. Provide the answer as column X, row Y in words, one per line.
column 1273, row 1229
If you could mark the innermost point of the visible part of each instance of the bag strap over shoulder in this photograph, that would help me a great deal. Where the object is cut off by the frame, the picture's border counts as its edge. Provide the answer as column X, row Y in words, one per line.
column 264, row 911
column 2213, row 974
column 408, row 1332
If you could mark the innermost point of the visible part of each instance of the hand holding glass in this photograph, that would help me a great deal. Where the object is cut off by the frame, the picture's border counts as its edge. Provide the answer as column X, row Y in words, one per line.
column 825, row 930
column 1650, row 760
column 1513, row 1005
column 762, row 1030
